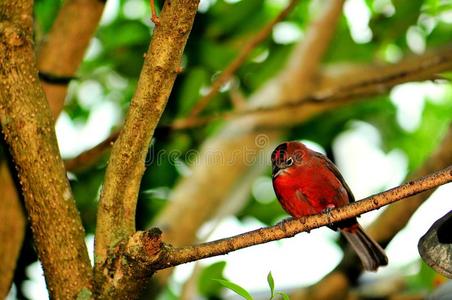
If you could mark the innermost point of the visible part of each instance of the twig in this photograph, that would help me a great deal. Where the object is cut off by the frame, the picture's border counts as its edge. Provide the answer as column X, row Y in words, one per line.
column 88, row 158
column 154, row 17
column 393, row 219
column 240, row 59
column 147, row 247
column 193, row 201
column 383, row 230
column 420, row 68
column 384, row 80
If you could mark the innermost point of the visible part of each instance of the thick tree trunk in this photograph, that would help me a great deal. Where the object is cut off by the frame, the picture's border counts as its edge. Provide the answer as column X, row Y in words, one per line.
column 27, row 126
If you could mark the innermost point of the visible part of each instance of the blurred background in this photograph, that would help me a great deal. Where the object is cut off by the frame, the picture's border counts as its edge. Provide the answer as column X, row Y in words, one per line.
column 213, row 181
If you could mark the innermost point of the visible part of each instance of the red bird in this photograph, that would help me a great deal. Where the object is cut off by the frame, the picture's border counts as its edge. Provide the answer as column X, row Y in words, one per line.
column 307, row 182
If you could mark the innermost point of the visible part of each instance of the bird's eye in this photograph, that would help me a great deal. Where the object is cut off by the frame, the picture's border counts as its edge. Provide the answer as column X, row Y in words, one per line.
column 289, row 161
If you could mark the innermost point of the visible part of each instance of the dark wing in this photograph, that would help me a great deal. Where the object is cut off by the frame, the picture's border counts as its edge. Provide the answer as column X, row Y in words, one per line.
column 332, row 167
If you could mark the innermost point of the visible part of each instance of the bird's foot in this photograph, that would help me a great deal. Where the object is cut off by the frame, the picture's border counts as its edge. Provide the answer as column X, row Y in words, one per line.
column 328, row 210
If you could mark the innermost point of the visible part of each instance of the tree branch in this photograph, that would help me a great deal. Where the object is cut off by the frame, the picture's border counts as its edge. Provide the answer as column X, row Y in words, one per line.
column 27, row 126
column 193, row 201
column 240, row 59
column 393, row 219
column 367, row 81
column 116, row 213
column 76, row 23
column 11, row 231
column 67, row 41
column 383, row 230
column 86, row 159
column 361, row 82
column 147, row 248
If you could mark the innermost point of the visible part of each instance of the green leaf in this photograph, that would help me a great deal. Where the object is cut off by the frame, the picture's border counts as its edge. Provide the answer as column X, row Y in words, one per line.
column 440, row 35
column 283, row 295
column 271, row 284
column 235, row 288
column 208, row 287
column 435, row 7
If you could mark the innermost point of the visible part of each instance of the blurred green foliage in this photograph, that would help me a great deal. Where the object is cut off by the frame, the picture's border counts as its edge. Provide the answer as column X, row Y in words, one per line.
column 208, row 287
column 220, row 30
column 426, row 280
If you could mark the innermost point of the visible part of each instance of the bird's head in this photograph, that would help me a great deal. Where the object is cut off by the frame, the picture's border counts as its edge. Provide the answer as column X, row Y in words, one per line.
column 286, row 156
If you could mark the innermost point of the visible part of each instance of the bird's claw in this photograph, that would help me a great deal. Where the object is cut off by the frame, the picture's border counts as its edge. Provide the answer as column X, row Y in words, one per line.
column 328, row 210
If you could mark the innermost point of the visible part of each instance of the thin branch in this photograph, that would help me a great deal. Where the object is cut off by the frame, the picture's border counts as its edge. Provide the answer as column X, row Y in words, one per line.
column 383, row 78
column 393, row 219
column 412, row 69
column 376, row 76
column 117, row 205
column 200, row 121
column 160, row 256
column 383, row 230
column 27, row 126
column 88, row 158
column 183, row 216
column 240, row 59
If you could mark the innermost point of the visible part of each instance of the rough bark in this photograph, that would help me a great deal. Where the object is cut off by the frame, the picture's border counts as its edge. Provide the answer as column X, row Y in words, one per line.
column 27, row 126
column 116, row 213
column 60, row 54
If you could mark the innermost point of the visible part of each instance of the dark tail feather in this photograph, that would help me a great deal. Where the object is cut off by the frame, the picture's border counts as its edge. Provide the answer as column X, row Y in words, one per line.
column 371, row 254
